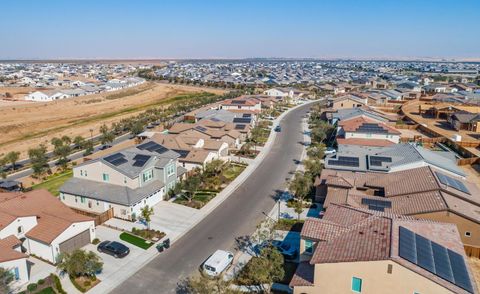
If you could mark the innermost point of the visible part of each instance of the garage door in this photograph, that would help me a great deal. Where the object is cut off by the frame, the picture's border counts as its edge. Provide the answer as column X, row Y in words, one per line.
column 76, row 242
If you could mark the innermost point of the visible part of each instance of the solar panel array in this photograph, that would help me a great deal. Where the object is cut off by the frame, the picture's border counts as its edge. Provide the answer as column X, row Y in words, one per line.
column 215, row 119
column 116, row 159
column 140, row 160
column 375, row 204
column 451, row 182
column 238, row 101
column 345, row 161
column 378, row 160
column 183, row 153
column 247, row 115
column 371, row 128
column 152, row 147
column 240, row 127
column 201, row 129
column 243, row 120
column 434, row 258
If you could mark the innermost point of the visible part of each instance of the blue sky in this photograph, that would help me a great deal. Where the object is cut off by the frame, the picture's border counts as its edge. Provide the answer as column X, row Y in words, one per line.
column 239, row 29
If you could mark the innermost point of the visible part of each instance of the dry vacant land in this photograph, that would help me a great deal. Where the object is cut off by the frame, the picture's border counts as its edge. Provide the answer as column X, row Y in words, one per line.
column 27, row 125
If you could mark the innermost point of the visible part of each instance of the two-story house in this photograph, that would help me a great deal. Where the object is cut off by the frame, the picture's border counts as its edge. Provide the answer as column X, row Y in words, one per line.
column 351, row 250
column 365, row 131
column 123, row 182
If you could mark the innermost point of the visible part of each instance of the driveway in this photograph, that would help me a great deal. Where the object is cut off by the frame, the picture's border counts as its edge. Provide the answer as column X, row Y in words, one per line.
column 235, row 217
column 112, row 265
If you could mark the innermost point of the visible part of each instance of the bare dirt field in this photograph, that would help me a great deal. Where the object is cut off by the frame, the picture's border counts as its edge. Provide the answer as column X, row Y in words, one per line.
column 27, row 125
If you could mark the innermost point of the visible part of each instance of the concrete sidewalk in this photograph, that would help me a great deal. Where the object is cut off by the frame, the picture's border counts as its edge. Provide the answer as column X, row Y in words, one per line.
column 123, row 273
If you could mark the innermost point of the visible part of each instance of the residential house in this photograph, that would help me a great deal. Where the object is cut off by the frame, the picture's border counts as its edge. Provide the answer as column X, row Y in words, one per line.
column 38, row 223
column 424, row 192
column 123, row 182
column 366, row 131
column 352, row 250
column 241, row 103
column 348, row 101
column 464, row 120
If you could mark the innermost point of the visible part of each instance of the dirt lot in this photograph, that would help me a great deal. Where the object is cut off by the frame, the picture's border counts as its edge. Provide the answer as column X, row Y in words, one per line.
column 438, row 125
column 27, row 125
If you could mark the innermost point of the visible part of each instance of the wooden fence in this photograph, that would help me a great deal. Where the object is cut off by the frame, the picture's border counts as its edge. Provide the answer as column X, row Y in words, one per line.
column 99, row 218
column 472, row 251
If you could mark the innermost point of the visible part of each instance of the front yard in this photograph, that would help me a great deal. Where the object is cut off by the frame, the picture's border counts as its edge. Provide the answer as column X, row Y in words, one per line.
column 134, row 240
column 215, row 177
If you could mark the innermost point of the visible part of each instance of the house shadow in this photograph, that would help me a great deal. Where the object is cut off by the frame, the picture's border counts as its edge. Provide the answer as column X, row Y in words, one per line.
column 30, row 265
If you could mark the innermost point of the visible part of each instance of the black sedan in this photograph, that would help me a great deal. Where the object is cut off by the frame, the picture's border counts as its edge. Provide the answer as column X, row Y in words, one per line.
column 116, row 249
column 278, row 129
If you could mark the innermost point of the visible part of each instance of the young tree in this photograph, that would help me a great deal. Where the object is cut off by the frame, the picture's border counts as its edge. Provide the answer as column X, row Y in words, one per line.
column 106, row 135
column 191, row 186
column 264, row 269
column 38, row 159
column 213, row 168
column 147, row 213
column 12, row 158
column 79, row 142
column 62, row 149
column 88, row 147
column 255, row 135
column 6, row 277
column 80, row 263
column 300, row 186
column 136, row 128
column 313, row 168
column 203, row 285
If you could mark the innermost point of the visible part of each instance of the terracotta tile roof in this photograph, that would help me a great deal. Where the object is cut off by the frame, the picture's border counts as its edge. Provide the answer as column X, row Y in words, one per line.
column 7, row 253
column 353, row 124
column 363, row 235
column 52, row 215
column 197, row 156
column 365, row 142
column 303, row 275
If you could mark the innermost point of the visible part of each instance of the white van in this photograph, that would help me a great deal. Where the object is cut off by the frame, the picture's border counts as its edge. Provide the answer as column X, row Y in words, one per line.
column 218, row 262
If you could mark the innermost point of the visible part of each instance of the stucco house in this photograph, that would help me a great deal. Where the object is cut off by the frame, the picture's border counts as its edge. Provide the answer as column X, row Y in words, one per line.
column 365, row 128
column 37, row 223
column 352, row 250
column 123, row 182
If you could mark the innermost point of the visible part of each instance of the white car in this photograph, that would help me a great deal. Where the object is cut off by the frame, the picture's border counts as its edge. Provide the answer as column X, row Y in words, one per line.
column 218, row 262
column 330, row 150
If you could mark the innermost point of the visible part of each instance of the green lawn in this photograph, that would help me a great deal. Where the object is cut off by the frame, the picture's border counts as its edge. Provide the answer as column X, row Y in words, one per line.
column 54, row 183
column 134, row 240
column 233, row 171
column 48, row 290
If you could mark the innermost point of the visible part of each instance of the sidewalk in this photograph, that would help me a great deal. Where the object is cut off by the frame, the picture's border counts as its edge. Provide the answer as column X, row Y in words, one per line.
column 122, row 274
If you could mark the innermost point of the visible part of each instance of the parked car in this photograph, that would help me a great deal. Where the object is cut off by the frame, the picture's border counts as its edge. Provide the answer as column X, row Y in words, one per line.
column 114, row 248
column 269, row 117
column 104, row 147
column 278, row 129
column 330, row 150
column 286, row 249
column 217, row 262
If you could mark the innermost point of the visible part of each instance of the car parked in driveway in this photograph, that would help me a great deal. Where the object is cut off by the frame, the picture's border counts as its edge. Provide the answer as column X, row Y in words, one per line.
column 278, row 129
column 330, row 150
column 114, row 248
column 217, row 262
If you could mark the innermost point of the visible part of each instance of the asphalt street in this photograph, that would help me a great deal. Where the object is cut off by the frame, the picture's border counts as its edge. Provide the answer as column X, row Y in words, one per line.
column 237, row 216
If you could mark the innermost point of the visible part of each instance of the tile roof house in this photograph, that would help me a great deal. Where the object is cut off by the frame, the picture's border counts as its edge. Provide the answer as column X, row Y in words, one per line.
column 424, row 192
column 353, row 249
column 242, row 103
column 348, row 131
column 194, row 151
column 123, row 182
column 38, row 223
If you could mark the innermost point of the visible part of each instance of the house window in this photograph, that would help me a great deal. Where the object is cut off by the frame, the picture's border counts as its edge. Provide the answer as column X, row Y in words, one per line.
column 85, row 173
column 308, row 247
column 63, row 196
column 170, row 170
column 124, row 180
column 89, row 204
column 148, row 175
column 82, row 199
column 356, row 285
column 20, row 229
column 468, row 234
column 16, row 273
column 81, row 173
column 98, row 203
column 106, row 177
column 76, row 199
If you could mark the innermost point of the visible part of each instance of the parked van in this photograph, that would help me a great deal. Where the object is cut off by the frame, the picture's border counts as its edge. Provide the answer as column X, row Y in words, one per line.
column 218, row 262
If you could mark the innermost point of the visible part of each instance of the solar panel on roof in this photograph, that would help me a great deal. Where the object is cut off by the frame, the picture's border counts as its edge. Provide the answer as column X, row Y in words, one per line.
column 146, row 145
column 202, row 129
column 215, row 119
column 434, row 258
column 247, row 115
column 240, row 127
column 140, row 160
column 451, row 182
column 238, row 101
column 345, row 161
column 118, row 161
column 241, row 120
column 379, row 160
column 183, row 153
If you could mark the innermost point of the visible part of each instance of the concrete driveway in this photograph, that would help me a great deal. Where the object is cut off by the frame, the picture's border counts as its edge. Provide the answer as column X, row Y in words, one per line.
column 173, row 219
column 112, row 265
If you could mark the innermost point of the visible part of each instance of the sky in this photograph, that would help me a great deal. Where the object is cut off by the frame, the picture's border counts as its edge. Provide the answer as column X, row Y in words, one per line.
column 183, row 29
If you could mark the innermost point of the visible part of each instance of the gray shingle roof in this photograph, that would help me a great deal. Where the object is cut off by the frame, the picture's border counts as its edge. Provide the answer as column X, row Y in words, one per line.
column 109, row 192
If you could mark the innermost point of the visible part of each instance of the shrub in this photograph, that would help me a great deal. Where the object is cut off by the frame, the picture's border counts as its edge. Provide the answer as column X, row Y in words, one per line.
column 87, row 284
column 32, row 287
column 41, row 282
column 58, row 285
column 95, row 241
